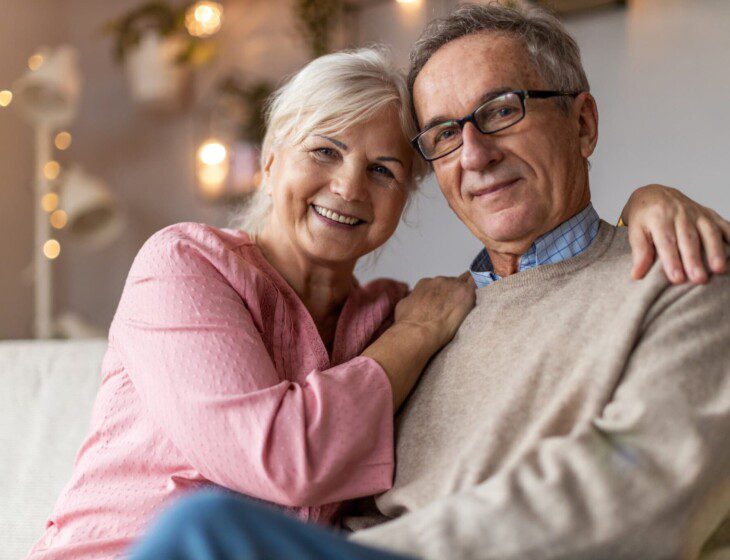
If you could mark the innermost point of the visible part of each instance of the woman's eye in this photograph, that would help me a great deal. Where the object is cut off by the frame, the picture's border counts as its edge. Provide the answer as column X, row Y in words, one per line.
column 382, row 170
column 324, row 151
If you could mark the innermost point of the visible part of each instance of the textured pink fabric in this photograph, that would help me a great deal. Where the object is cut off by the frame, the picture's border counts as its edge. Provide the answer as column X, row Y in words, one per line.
column 216, row 374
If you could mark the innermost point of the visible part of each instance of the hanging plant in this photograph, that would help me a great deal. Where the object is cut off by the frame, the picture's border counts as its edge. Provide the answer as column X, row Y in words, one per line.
column 158, row 51
column 317, row 20
column 167, row 21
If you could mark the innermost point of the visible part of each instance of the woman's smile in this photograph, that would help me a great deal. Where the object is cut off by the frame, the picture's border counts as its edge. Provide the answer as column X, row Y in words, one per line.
column 335, row 218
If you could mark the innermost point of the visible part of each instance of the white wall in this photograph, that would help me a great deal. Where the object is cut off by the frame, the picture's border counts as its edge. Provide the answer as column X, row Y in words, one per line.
column 660, row 73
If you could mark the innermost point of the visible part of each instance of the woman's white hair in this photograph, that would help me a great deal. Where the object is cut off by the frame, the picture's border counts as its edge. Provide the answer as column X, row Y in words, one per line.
column 329, row 95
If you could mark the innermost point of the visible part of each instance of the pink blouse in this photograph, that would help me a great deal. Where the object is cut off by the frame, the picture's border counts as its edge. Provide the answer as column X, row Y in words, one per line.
column 215, row 374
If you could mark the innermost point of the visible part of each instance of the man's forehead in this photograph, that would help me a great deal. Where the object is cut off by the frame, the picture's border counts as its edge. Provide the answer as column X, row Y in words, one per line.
column 461, row 73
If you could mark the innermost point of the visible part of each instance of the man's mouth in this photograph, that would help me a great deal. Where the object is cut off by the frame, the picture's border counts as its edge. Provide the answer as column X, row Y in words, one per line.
column 337, row 217
column 494, row 188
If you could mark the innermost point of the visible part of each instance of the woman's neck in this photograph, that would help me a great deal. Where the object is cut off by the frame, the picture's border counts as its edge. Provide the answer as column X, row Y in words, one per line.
column 322, row 288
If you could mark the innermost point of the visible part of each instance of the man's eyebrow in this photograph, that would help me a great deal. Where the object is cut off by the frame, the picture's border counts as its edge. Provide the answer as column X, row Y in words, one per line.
column 390, row 158
column 337, row 143
column 491, row 94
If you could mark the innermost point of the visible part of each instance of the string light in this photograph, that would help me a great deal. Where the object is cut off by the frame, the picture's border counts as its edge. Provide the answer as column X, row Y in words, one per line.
column 204, row 18
column 212, row 152
column 63, row 140
column 35, row 61
column 49, row 202
column 6, row 96
column 51, row 249
column 51, row 170
column 59, row 219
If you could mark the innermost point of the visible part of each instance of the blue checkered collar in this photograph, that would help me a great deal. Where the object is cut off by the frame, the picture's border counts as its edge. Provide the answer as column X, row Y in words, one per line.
column 569, row 239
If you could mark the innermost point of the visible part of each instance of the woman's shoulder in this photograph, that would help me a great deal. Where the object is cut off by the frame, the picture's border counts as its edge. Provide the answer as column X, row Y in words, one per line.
column 187, row 244
column 393, row 290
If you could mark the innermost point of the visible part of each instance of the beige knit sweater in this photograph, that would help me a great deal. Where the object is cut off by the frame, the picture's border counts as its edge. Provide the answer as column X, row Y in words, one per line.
column 577, row 415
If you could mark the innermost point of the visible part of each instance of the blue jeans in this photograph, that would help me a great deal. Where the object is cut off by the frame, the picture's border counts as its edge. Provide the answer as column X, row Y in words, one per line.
column 215, row 525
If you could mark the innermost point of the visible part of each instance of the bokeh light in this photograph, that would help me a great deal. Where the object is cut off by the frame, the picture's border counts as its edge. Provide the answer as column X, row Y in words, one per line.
column 49, row 202
column 51, row 248
column 35, row 61
column 63, row 140
column 6, row 96
column 204, row 18
column 212, row 152
column 51, row 170
column 59, row 218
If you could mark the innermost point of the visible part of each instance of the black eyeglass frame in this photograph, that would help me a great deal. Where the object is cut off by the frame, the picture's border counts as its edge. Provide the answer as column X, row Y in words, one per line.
column 522, row 94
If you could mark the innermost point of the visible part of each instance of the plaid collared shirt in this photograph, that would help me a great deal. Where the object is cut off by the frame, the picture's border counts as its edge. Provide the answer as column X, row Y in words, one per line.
column 569, row 239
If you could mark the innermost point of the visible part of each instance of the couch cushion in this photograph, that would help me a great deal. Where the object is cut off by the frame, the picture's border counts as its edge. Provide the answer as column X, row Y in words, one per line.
column 45, row 406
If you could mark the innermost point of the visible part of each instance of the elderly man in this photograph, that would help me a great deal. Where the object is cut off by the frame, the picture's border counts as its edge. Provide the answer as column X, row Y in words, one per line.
column 577, row 413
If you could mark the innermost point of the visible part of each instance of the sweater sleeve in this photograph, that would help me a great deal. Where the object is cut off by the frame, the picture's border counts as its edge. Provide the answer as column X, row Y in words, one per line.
column 194, row 355
column 648, row 479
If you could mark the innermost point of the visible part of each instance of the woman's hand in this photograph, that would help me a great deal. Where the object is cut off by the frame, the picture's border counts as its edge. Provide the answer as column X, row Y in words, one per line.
column 425, row 321
column 663, row 220
column 439, row 305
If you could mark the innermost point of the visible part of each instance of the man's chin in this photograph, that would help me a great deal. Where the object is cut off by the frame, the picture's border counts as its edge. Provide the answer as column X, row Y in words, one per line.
column 511, row 225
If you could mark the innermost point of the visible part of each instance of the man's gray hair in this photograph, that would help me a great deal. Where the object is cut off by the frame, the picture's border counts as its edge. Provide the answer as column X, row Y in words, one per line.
column 553, row 51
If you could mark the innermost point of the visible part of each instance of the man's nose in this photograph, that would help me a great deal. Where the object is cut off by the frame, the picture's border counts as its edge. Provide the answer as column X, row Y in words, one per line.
column 478, row 151
column 350, row 184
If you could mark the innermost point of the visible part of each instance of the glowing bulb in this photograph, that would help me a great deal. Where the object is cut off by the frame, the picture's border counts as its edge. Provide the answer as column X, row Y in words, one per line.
column 49, row 202
column 212, row 152
column 35, row 61
column 63, row 140
column 59, row 219
column 203, row 18
column 51, row 248
column 407, row 1
column 51, row 170
column 6, row 96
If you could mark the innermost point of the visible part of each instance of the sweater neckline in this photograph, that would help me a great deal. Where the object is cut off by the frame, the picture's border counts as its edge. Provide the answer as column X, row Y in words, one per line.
column 535, row 276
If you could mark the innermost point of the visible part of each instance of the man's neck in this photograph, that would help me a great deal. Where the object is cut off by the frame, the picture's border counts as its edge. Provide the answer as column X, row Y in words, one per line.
column 506, row 259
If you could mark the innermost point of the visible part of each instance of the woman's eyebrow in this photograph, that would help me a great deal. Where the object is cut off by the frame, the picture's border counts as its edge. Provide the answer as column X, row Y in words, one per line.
column 337, row 143
column 390, row 158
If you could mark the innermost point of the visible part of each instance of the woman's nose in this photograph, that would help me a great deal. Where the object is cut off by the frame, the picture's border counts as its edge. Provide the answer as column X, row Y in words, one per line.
column 350, row 185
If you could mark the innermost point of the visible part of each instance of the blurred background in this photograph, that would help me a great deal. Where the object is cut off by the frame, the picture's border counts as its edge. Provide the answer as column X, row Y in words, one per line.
column 119, row 117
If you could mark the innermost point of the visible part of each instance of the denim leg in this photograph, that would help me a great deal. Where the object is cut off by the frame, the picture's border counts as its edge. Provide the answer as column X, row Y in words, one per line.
column 215, row 525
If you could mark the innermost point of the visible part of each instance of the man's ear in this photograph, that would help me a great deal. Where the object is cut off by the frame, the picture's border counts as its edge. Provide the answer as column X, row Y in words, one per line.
column 267, row 171
column 585, row 112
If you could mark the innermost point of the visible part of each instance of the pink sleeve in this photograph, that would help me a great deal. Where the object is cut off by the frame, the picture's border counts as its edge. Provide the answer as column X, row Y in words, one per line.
column 194, row 355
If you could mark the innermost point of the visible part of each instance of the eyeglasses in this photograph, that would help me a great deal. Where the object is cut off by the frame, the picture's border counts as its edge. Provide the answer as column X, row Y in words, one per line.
column 496, row 114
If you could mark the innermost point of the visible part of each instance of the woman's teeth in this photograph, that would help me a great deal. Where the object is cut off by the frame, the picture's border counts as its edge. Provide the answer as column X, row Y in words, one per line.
column 327, row 213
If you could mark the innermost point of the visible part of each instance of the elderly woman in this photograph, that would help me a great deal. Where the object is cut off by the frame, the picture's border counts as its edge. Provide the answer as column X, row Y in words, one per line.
column 253, row 360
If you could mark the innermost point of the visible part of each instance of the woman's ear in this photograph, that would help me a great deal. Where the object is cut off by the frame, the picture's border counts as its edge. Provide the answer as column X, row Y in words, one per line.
column 267, row 172
column 585, row 112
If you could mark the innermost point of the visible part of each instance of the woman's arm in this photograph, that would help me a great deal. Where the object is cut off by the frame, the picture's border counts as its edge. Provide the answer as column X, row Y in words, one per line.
column 206, row 379
column 425, row 321
column 663, row 221
column 204, row 376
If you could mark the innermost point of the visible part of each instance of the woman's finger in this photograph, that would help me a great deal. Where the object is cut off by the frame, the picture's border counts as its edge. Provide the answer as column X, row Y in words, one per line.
column 722, row 223
column 665, row 239
column 642, row 252
column 688, row 241
column 712, row 241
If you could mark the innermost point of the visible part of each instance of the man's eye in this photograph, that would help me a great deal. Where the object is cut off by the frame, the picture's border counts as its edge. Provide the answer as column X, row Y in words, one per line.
column 444, row 135
column 501, row 112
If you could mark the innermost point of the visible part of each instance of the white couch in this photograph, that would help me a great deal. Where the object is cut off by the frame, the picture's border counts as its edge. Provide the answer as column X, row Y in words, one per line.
column 45, row 405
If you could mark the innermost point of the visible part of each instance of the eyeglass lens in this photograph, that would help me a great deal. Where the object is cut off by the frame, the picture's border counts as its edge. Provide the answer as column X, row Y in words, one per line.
column 497, row 114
